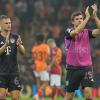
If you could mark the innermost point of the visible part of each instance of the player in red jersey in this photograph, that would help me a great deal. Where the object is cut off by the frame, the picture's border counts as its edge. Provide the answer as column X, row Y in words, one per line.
column 55, row 69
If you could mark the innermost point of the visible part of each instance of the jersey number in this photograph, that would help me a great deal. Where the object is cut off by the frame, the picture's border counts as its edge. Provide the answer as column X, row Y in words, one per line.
column 38, row 55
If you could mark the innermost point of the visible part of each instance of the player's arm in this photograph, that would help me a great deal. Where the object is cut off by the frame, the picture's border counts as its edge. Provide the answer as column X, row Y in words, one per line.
column 52, row 62
column 82, row 25
column 2, row 49
column 96, row 32
column 97, row 20
column 56, row 58
column 97, row 52
column 21, row 49
column 20, row 46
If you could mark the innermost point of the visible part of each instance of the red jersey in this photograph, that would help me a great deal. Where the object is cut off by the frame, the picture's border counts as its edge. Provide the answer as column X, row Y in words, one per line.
column 56, row 68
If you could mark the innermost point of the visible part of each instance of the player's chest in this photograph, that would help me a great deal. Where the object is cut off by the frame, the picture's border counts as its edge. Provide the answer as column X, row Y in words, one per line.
column 11, row 42
column 11, row 47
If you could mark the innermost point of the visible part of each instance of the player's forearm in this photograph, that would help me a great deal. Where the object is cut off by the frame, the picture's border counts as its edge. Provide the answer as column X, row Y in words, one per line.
column 97, row 52
column 21, row 49
column 52, row 62
column 80, row 27
column 2, row 49
column 97, row 20
column 96, row 32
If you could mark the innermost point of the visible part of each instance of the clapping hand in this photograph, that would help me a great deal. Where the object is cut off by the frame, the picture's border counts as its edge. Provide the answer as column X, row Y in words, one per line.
column 87, row 12
column 94, row 7
column 19, row 41
column 7, row 38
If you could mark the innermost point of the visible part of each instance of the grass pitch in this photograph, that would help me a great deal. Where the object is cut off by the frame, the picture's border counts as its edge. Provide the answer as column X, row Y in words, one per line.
column 58, row 98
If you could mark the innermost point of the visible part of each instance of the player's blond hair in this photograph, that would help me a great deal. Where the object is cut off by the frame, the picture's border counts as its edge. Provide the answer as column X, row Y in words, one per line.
column 51, row 41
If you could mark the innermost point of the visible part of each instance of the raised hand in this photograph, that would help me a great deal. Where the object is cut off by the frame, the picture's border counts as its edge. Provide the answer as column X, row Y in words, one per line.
column 87, row 14
column 19, row 41
column 94, row 7
column 7, row 38
column 20, row 46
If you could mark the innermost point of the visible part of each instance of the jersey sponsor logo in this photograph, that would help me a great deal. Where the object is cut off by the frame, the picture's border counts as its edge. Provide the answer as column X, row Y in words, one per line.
column 12, row 40
column 8, row 50
column 80, row 50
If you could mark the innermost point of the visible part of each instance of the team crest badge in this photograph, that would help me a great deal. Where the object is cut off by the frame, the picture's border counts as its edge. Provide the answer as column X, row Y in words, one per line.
column 12, row 40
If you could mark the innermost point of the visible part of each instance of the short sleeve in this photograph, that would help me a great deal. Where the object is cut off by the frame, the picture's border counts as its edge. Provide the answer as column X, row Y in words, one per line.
column 67, row 34
column 90, row 34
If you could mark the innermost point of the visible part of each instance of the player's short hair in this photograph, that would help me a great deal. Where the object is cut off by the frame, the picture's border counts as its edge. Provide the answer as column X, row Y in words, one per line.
column 77, row 13
column 51, row 40
column 39, row 38
column 3, row 17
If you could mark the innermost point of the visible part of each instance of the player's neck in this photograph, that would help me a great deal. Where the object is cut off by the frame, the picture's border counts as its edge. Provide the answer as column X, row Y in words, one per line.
column 4, row 33
column 75, row 27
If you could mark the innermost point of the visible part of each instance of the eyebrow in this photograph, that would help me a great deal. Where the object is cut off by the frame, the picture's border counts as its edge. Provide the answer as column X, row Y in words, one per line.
column 7, row 22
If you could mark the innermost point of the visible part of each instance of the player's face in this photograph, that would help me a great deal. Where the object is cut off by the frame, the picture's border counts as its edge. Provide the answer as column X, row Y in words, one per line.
column 77, row 20
column 6, row 24
column 50, row 44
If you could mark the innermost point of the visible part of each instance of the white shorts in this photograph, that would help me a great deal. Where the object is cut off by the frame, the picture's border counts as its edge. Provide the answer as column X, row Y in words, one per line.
column 44, row 75
column 55, row 80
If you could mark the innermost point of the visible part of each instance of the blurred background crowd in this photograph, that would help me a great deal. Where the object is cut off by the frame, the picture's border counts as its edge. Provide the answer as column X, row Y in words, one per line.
column 48, row 17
